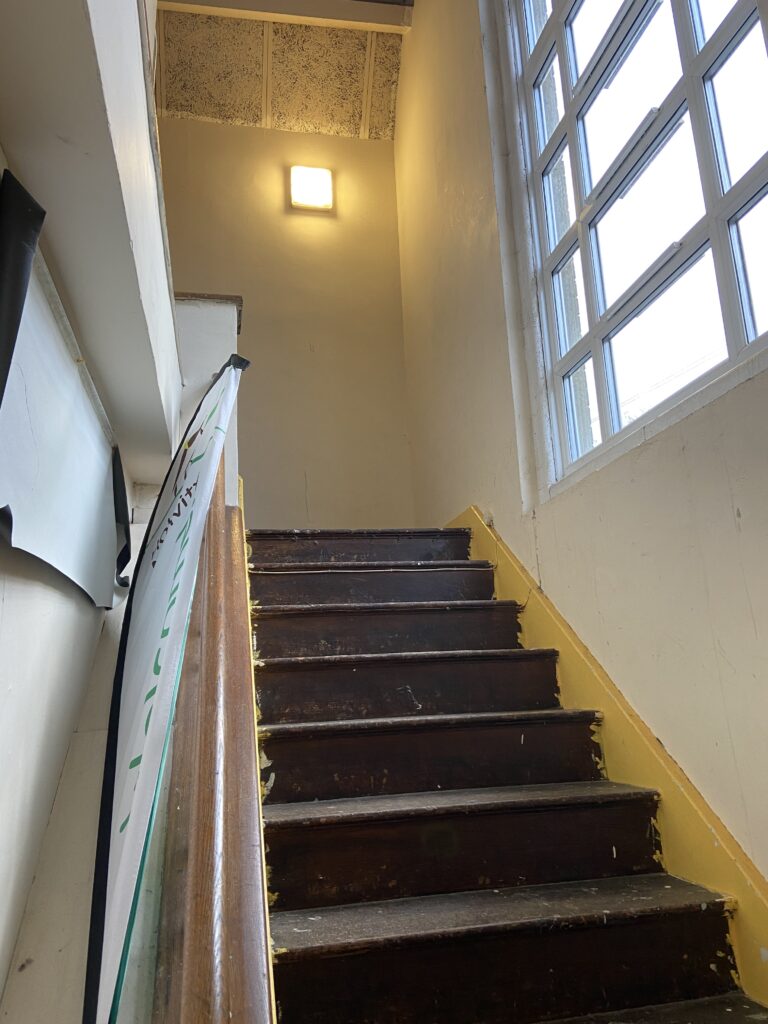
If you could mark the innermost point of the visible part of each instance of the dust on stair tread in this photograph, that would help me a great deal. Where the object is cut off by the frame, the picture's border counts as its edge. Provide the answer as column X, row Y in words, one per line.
column 734, row 1008
column 458, row 801
column 563, row 905
column 414, row 723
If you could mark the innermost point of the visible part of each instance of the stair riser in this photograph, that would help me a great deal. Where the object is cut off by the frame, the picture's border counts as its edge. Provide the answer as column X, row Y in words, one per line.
column 319, row 866
column 408, row 688
column 414, row 761
column 514, row 977
column 372, row 587
column 306, row 635
column 450, row 548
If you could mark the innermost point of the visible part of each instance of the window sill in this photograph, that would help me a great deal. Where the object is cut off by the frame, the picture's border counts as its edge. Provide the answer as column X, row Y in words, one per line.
column 718, row 382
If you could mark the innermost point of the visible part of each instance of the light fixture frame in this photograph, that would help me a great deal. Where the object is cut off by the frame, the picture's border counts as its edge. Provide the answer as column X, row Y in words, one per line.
column 310, row 206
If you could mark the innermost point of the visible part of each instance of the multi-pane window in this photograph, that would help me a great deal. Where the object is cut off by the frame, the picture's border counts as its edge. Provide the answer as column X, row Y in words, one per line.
column 647, row 137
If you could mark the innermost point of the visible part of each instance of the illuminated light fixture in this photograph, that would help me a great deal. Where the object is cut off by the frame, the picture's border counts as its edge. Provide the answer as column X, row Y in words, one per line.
column 311, row 188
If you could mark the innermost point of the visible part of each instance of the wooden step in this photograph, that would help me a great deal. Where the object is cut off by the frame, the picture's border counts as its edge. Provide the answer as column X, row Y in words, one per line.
column 380, row 756
column 375, row 848
column 391, row 685
column 376, row 582
column 500, row 956
column 733, row 1008
column 312, row 630
column 358, row 545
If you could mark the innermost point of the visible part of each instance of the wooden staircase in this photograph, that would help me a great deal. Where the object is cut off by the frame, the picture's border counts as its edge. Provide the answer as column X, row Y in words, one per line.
column 442, row 845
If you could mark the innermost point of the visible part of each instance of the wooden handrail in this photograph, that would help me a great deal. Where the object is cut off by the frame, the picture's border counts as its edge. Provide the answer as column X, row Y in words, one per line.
column 213, row 957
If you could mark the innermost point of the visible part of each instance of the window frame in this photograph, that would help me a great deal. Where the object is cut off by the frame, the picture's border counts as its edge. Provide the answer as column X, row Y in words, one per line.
column 715, row 229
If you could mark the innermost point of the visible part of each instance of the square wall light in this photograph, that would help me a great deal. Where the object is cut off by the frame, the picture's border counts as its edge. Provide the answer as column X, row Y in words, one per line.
column 311, row 188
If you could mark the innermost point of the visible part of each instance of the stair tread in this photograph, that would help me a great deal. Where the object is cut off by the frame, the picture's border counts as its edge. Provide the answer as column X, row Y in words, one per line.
column 458, row 801
column 400, row 657
column 415, row 722
column 264, row 611
column 735, row 1008
column 390, row 532
column 334, row 567
column 350, row 928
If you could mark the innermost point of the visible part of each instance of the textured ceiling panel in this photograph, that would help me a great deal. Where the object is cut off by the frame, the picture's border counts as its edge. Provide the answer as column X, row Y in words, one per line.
column 318, row 79
column 328, row 81
column 213, row 68
column 386, row 72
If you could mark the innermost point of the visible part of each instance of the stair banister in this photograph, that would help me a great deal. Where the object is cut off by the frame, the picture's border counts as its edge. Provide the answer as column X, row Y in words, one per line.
column 213, row 958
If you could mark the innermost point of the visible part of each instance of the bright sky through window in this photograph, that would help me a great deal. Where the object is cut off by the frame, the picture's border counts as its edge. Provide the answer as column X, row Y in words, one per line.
column 648, row 186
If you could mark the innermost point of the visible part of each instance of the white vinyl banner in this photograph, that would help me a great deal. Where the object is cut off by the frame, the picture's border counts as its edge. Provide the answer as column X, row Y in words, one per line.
column 152, row 650
column 55, row 456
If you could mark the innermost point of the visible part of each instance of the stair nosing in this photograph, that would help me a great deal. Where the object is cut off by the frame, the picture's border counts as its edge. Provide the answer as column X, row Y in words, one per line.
column 630, row 1015
column 452, row 531
column 452, row 803
column 377, row 607
column 697, row 899
column 330, row 727
column 286, row 568
column 406, row 657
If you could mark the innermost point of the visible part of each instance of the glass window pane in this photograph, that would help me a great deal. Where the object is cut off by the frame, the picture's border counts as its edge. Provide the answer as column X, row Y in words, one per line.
column 570, row 302
column 753, row 238
column 559, row 200
column 740, row 88
column 581, row 405
column 588, row 28
column 710, row 14
column 672, row 342
column 536, row 14
column 645, row 73
column 655, row 211
column 549, row 102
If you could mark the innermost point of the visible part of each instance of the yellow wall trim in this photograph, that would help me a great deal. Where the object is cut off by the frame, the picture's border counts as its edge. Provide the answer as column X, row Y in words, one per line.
column 696, row 844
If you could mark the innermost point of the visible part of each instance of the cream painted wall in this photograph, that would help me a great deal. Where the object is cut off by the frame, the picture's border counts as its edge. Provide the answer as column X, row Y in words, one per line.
column 46, row 981
column 322, row 413
column 657, row 560
column 460, row 384
column 48, row 635
column 74, row 126
column 659, row 563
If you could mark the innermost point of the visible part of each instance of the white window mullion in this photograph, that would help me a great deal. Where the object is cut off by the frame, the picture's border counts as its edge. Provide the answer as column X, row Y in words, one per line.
column 717, row 226
column 546, row 307
column 578, row 184
column 564, row 452
column 603, row 384
column 574, row 355
column 647, row 191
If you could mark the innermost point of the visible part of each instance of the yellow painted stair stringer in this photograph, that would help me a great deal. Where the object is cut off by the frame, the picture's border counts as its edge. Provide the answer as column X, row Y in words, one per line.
column 696, row 844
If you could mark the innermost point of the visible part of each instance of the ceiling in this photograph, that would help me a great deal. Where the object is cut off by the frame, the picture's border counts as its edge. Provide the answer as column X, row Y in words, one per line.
column 273, row 74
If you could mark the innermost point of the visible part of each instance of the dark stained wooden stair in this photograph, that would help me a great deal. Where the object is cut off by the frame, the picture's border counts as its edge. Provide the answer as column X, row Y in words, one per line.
column 442, row 845
column 294, row 631
column 382, row 685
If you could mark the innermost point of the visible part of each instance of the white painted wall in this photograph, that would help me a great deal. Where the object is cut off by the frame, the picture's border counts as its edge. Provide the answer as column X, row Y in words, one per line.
column 659, row 559
column 75, row 128
column 150, row 13
column 207, row 338
column 322, row 431
column 47, row 975
column 48, row 635
column 460, row 385
column 117, row 38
